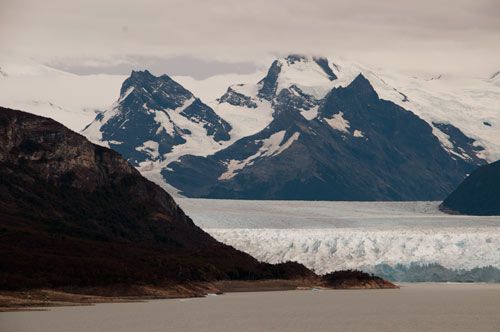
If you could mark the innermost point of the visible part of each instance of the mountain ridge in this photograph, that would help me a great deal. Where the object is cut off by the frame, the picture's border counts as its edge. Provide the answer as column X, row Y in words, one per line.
column 298, row 88
column 296, row 83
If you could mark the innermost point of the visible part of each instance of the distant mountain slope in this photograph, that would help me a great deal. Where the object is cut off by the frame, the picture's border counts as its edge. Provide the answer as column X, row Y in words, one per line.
column 76, row 214
column 357, row 147
column 478, row 194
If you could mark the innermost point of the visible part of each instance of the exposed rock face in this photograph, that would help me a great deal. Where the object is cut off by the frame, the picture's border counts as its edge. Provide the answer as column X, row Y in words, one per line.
column 237, row 99
column 478, row 194
column 462, row 145
column 323, row 63
column 269, row 84
column 74, row 213
column 56, row 155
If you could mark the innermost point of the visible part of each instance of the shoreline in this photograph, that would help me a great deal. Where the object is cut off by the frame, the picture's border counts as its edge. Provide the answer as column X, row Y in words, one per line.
column 40, row 299
column 43, row 299
column 415, row 307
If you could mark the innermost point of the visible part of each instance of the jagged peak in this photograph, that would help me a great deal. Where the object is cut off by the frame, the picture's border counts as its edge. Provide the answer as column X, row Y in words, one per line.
column 270, row 82
column 136, row 79
column 361, row 82
column 360, row 85
column 140, row 74
column 146, row 75
column 140, row 80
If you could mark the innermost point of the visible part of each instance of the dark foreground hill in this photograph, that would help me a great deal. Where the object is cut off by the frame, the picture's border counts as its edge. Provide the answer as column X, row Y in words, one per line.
column 355, row 279
column 478, row 194
column 76, row 214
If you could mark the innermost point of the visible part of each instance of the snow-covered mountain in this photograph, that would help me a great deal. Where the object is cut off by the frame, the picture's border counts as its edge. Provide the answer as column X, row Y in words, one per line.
column 470, row 104
column 154, row 121
column 322, row 131
column 311, row 128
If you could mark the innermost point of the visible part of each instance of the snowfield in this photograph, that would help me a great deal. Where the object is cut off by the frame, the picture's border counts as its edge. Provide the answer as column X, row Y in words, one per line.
column 73, row 100
column 328, row 236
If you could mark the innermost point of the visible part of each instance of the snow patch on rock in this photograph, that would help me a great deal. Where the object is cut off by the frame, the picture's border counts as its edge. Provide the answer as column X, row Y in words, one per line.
column 306, row 74
column 270, row 147
column 150, row 147
column 338, row 122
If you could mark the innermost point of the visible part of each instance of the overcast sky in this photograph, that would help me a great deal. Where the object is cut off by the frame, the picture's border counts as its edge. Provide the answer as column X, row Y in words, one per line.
column 202, row 38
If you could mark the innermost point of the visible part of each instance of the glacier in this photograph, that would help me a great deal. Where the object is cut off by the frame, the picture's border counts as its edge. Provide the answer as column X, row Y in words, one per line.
column 327, row 250
column 328, row 236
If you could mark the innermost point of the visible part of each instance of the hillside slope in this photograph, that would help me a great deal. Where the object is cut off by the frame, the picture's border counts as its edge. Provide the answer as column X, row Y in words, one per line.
column 74, row 213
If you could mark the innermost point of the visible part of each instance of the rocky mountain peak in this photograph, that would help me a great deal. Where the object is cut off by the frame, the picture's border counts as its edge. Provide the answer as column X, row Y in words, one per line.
column 363, row 86
column 153, row 115
column 269, row 83
column 141, row 74
column 145, row 90
column 298, row 80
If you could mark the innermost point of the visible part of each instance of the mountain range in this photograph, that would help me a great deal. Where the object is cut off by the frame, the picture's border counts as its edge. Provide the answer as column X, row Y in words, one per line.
column 311, row 128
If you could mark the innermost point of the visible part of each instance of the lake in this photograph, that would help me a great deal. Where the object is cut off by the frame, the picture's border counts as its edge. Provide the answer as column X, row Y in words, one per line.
column 414, row 307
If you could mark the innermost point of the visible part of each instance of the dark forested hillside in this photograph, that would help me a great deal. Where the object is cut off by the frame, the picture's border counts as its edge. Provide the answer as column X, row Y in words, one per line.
column 74, row 213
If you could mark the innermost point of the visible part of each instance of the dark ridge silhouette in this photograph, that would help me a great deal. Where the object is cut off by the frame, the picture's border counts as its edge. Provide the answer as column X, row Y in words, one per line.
column 478, row 194
column 355, row 279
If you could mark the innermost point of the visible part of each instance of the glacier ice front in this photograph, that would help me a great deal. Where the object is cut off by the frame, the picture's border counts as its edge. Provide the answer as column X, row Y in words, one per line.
column 326, row 250
column 328, row 236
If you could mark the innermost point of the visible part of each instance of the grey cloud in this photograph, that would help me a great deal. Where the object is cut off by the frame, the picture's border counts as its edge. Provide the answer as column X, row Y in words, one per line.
column 439, row 35
column 176, row 65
